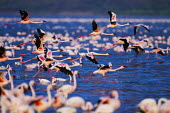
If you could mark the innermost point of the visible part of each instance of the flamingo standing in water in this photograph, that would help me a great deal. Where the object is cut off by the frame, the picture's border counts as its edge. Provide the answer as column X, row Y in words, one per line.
column 112, row 100
column 67, row 89
column 149, row 105
column 79, row 102
column 96, row 30
column 104, row 69
column 41, row 105
column 90, row 56
column 113, row 21
column 25, row 18
column 58, row 100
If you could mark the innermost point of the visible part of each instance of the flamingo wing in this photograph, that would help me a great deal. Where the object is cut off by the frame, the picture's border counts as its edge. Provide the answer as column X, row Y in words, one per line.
column 146, row 27
column 24, row 15
column 112, row 17
column 40, row 32
column 91, row 58
column 95, row 26
column 37, row 40
column 161, row 52
column 2, row 51
column 125, row 45
column 63, row 67
column 135, row 30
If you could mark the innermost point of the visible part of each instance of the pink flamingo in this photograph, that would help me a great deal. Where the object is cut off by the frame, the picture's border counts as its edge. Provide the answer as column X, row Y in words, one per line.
column 67, row 89
column 96, row 30
column 113, row 21
column 25, row 18
column 104, row 69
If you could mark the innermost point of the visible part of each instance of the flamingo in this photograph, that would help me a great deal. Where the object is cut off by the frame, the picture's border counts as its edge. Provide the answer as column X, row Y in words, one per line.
column 140, row 25
column 96, row 30
column 104, row 69
column 165, row 107
column 157, row 51
column 90, row 56
column 3, row 80
column 112, row 100
column 58, row 100
column 25, row 18
column 67, row 109
column 149, row 105
column 67, row 88
column 3, row 56
column 41, row 105
column 113, row 21
column 137, row 48
column 79, row 102
column 125, row 41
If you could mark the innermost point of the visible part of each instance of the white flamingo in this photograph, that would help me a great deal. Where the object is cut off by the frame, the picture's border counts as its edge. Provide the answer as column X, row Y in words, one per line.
column 67, row 89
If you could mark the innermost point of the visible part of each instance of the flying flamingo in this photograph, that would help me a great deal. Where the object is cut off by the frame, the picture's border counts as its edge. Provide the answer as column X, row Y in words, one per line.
column 140, row 25
column 25, row 18
column 124, row 41
column 3, row 56
column 104, row 69
column 113, row 21
column 157, row 51
column 41, row 105
column 96, row 30
column 39, row 44
column 79, row 102
column 138, row 49
column 90, row 56
column 67, row 89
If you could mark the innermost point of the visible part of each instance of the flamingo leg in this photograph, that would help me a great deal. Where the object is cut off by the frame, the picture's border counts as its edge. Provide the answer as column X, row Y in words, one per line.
column 109, row 81
column 148, row 55
column 27, row 53
column 37, row 72
column 83, row 36
column 25, row 43
column 158, row 57
column 88, row 77
column 13, row 23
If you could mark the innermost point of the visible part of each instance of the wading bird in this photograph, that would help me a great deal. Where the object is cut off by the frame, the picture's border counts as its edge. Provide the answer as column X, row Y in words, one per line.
column 113, row 21
column 96, row 30
column 25, row 19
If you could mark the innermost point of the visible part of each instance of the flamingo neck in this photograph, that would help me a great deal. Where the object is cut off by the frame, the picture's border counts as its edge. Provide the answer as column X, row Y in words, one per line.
column 11, row 80
column 161, row 100
column 32, row 91
column 49, row 96
column 75, row 82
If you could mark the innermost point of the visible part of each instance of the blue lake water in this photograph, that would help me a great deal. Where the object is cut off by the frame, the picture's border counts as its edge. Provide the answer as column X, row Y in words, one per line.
column 143, row 78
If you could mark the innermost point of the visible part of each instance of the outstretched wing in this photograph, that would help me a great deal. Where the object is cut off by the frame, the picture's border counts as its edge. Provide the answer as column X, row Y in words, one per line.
column 38, row 42
column 63, row 67
column 146, row 27
column 95, row 26
column 91, row 58
column 24, row 15
column 2, row 51
column 41, row 32
column 112, row 17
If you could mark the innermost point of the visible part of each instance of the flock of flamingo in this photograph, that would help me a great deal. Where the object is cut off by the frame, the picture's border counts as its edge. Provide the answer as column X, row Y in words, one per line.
column 15, row 99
